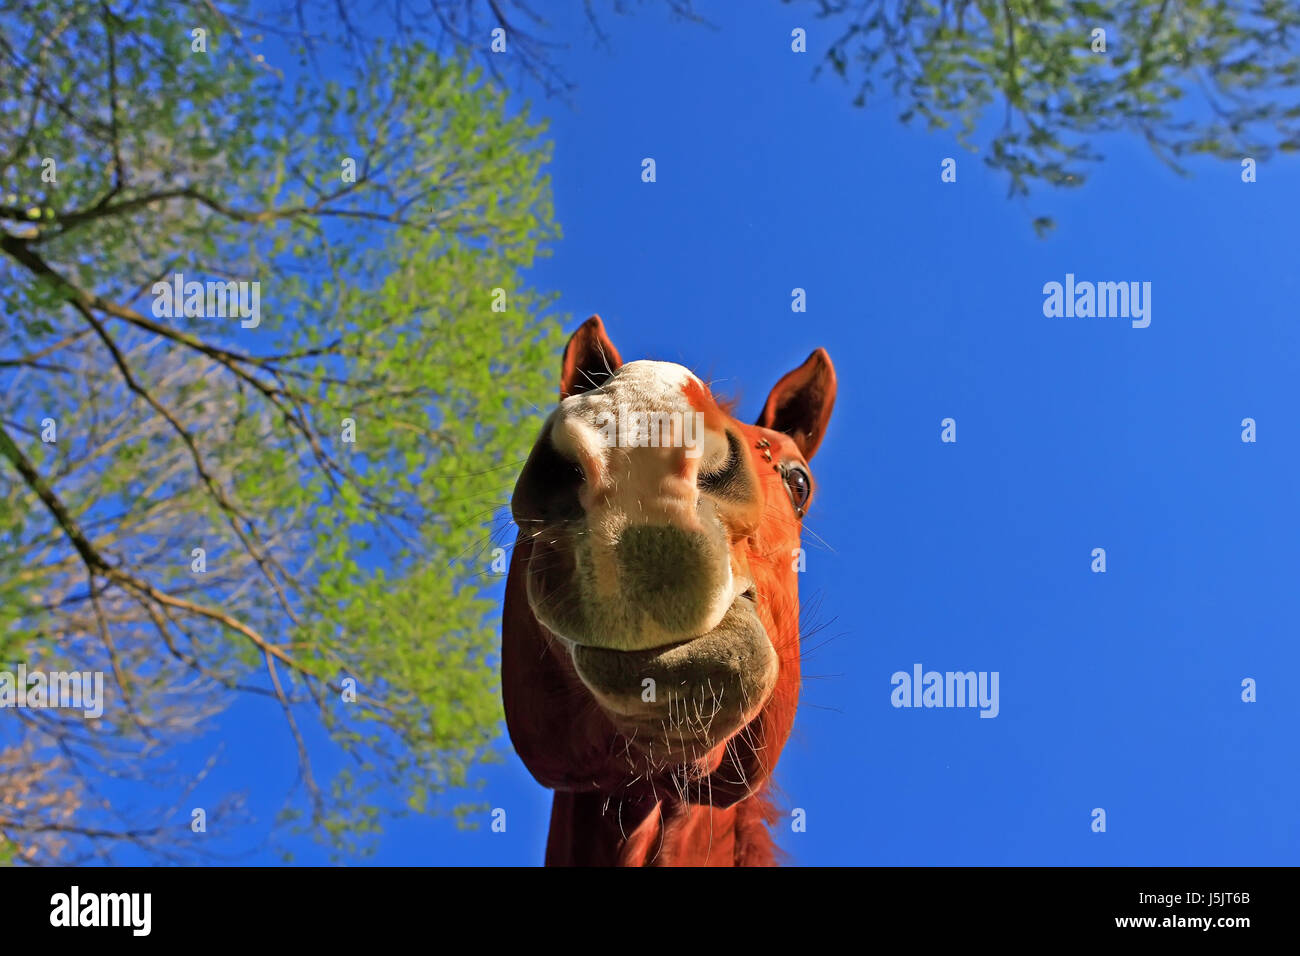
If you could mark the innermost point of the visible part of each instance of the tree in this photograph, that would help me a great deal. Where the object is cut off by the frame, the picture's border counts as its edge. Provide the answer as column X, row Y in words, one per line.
column 1057, row 82
column 274, row 483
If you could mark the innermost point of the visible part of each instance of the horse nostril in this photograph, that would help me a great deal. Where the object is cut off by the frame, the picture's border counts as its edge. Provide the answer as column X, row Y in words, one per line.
column 548, row 486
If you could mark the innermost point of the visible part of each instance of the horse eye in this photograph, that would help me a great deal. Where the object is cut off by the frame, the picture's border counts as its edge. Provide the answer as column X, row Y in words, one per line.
column 725, row 477
column 799, row 485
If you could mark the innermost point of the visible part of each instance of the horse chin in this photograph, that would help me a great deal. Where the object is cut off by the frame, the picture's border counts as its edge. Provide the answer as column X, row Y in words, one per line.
column 678, row 702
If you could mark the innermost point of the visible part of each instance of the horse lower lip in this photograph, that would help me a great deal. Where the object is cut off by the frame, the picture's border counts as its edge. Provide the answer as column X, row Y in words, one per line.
column 736, row 654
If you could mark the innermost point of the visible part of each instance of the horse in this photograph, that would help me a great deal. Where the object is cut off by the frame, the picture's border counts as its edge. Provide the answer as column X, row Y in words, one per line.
column 650, row 631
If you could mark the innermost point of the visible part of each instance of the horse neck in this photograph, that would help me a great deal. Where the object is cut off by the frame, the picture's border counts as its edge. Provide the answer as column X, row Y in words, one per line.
column 589, row 828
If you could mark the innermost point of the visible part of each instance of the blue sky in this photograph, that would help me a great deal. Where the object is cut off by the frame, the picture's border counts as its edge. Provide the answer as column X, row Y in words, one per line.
column 1118, row 690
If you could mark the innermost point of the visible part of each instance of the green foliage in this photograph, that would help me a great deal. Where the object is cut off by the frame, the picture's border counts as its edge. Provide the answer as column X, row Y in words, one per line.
column 326, row 560
column 1030, row 64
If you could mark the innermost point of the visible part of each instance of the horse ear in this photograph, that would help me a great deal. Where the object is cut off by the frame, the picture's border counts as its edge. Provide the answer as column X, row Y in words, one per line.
column 800, row 404
column 589, row 359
